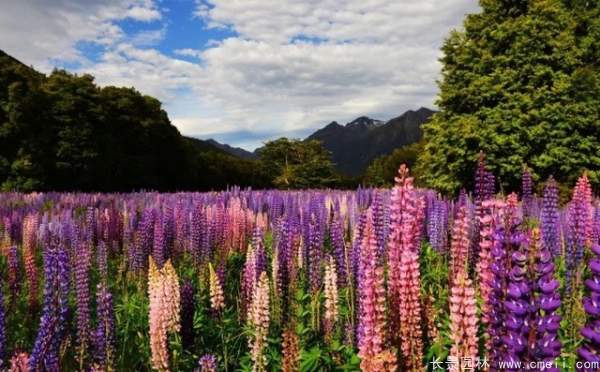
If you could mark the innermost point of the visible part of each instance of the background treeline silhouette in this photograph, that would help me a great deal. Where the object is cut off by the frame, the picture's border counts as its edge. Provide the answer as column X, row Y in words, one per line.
column 63, row 132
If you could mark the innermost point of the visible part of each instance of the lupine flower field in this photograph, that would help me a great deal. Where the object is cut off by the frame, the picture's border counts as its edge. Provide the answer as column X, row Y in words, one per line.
column 317, row 280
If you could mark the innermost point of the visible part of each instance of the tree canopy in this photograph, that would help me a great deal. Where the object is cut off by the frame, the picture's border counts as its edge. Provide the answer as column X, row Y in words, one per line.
column 382, row 171
column 297, row 164
column 63, row 132
column 522, row 84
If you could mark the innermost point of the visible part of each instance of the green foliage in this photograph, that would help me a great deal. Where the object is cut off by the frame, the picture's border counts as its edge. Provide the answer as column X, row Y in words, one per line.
column 382, row 170
column 521, row 83
column 63, row 132
column 297, row 164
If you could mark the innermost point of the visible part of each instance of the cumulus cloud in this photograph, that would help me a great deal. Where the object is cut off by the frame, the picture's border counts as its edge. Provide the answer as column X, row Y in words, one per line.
column 41, row 31
column 295, row 66
column 291, row 67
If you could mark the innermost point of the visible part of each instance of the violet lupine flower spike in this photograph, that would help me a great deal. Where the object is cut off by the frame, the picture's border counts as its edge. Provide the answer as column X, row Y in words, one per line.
column 590, row 350
column 53, row 320
column 492, row 210
column 549, row 218
column 2, row 329
column 82, row 283
column 543, row 341
column 104, row 336
column 188, row 304
column 527, row 192
column 14, row 275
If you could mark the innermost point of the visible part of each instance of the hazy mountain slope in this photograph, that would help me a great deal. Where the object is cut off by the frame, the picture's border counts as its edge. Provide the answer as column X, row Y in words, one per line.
column 356, row 144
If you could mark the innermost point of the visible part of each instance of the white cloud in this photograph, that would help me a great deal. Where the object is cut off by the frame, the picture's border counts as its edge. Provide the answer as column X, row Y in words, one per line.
column 292, row 66
column 37, row 31
column 298, row 65
column 149, row 37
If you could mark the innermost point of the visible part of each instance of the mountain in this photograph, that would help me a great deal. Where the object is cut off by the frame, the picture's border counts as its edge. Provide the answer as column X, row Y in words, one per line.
column 353, row 146
column 236, row 151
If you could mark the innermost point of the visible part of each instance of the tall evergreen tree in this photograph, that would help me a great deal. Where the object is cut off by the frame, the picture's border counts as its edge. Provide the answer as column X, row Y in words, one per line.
column 522, row 83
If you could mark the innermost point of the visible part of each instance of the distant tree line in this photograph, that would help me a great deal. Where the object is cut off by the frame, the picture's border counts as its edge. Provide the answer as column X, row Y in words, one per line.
column 63, row 132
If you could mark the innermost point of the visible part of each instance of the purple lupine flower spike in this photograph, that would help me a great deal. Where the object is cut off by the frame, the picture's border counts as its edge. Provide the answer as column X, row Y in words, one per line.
column 527, row 192
column 590, row 350
column 549, row 218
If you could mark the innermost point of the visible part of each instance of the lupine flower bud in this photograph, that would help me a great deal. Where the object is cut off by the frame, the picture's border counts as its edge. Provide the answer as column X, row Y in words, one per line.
column 459, row 249
column 163, row 290
column 19, row 363
column 30, row 227
column 217, row 301
column 463, row 319
column 208, row 363
column 331, row 296
column 188, row 304
column 291, row 351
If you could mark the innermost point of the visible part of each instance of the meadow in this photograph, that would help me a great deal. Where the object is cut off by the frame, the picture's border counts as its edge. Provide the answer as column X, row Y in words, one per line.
column 398, row 279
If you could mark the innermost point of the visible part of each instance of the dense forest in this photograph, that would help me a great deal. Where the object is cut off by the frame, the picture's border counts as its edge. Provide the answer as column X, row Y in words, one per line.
column 521, row 83
column 63, row 132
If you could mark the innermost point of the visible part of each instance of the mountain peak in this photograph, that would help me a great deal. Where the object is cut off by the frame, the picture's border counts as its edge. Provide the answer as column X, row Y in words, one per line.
column 355, row 145
column 236, row 151
column 364, row 121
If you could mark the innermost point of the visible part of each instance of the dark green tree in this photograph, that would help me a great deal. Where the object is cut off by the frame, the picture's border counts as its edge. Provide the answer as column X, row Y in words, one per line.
column 522, row 84
column 297, row 164
column 63, row 132
column 382, row 171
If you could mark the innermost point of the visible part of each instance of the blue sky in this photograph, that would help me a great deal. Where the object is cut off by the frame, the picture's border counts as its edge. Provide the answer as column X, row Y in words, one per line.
column 245, row 71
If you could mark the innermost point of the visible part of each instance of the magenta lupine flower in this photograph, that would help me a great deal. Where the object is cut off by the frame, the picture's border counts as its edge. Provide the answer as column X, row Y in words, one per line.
column 372, row 323
column 30, row 229
column 403, row 269
column 459, row 249
column 580, row 222
column 208, row 363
